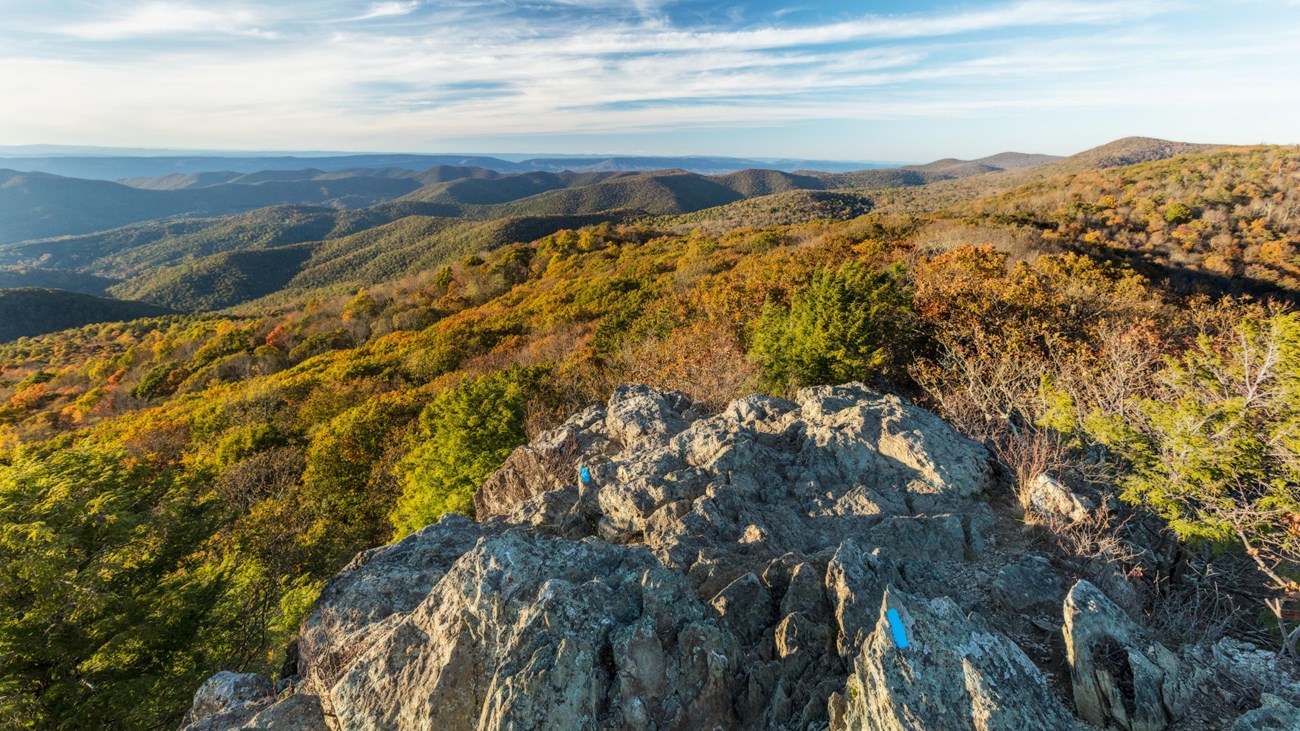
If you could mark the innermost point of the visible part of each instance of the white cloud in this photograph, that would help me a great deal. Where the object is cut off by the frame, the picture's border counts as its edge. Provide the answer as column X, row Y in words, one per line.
column 166, row 19
column 388, row 10
column 469, row 68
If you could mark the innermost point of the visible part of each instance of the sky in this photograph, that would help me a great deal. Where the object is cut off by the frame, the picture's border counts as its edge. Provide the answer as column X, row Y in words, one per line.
column 907, row 80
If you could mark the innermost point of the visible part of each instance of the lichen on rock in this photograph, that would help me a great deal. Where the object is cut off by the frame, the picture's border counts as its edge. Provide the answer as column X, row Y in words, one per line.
column 732, row 571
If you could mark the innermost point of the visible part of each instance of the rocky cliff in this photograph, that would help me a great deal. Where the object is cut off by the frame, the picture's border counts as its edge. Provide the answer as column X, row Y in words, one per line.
column 831, row 562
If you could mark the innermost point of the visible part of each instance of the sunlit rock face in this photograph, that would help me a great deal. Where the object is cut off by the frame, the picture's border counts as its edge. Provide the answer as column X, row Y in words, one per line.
column 803, row 564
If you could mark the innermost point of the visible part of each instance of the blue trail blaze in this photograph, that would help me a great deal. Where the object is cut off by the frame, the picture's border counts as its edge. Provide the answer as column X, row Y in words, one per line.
column 897, row 628
column 585, row 475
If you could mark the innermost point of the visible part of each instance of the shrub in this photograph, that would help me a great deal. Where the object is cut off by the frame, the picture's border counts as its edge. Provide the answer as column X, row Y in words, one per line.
column 1216, row 452
column 851, row 323
column 465, row 434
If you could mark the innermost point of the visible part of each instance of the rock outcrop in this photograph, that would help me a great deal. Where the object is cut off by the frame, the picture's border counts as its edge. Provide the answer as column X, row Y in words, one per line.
column 229, row 700
column 1121, row 677
column 804, row 564
column 958, row 674
column 1053, row 501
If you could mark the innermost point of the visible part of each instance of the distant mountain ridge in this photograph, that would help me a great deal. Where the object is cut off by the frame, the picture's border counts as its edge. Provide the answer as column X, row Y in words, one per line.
column 218, row 239
column 39, row 205
column 108, row 167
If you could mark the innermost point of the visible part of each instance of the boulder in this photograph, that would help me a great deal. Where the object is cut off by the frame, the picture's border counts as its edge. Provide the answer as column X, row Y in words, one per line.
column 956, row 673
column 228, row 700
column 1274, row 715
column 298, row 712
column 1052, row 500
column 377, row 588
column 1028, row 584
column 1120, row 676
column 856, row 582
column 521, row 633
column 551, row 461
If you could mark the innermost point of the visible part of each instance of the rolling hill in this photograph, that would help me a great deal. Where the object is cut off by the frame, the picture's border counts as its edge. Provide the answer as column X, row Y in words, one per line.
column 105, row 165
column 39, row 205
column 392, row 250
column 217, row 281
column 939, row 194
column 26, row 277
column 34, row 311
column 132, row 250
column 442, row 213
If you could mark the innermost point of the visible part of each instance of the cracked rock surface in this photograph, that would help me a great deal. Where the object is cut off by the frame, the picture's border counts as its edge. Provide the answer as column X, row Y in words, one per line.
column 735, row 571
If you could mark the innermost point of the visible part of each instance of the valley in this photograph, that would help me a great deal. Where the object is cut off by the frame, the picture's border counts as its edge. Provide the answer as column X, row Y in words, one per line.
column 217, row 389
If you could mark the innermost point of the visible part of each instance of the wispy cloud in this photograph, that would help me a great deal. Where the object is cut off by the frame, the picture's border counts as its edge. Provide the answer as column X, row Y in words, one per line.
column 387, row 10
column 166, row 19
column 401, row 74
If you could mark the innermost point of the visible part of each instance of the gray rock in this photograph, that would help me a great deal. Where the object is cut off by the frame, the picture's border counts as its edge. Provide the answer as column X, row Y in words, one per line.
column 1054, row 501
column 747, row 606
column 640, row 417
column 1119, row 675
column 227, row 700
column 376, row 589
column 299, row 712
column 1028, row 584
column 956, row 674
column 721, row 572
column 552, row 461
column 1274, row 714
column 525, row 630
column 857, row 436
column 921, row 536
column 856, row 582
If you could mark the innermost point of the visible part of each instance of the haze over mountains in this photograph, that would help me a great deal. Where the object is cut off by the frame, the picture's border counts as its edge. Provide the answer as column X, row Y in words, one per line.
column 208, row 240
column 105, row 165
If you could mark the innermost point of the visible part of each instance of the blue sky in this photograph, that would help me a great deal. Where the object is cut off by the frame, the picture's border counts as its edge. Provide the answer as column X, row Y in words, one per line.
column 834, row 79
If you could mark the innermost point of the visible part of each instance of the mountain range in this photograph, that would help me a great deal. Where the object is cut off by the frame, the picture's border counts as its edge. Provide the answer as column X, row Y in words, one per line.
column 370, row 455
column 107, row 166
column 210, row 240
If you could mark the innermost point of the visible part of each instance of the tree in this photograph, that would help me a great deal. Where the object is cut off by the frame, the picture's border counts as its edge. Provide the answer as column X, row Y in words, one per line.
column 1217, row 451
column 363, row 306
column 103, row 595
column 465, row 434
column 344, row 485
column 851, row 323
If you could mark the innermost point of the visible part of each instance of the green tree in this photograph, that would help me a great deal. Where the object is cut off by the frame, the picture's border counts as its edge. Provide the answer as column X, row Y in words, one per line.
column 851, row 323
column 346, row 483
column 102, row 596
column 465, row 434
column 363, row 306
column 1217, row 451
column 1177, row 213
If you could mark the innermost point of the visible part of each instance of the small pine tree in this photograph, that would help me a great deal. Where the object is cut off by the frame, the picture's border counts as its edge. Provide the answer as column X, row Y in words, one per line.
column 851, row 323
column 466, row 434
column 1217, row 452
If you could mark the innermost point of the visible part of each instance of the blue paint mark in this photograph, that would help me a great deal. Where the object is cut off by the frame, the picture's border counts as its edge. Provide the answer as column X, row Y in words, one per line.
column 585, row 475
column 896, row 626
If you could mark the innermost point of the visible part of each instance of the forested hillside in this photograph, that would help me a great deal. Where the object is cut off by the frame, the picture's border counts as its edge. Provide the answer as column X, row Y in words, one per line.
column 28, row 311
column 174, row 492
column 38, row 205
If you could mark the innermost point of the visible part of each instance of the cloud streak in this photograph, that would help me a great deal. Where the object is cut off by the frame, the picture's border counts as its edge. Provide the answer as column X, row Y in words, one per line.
column 166, row 19
column 386, row 10
column 412, row 75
